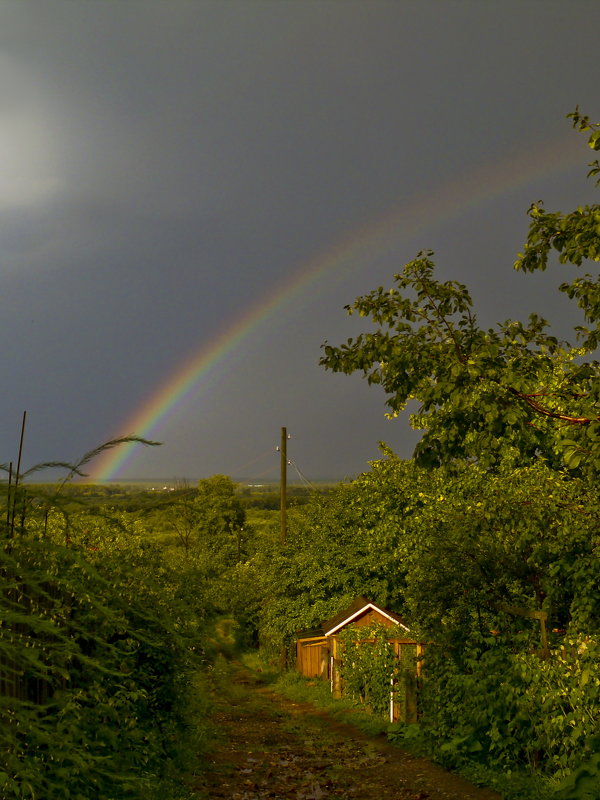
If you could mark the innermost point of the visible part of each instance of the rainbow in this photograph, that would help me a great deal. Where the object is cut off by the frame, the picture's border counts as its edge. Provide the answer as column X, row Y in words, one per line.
column 374, row 239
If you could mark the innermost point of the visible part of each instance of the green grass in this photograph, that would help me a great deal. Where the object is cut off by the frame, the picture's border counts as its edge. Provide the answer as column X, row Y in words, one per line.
column 317, row 692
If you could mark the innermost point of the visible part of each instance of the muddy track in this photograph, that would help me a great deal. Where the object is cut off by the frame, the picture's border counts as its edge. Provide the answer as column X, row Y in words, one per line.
column 270, row 748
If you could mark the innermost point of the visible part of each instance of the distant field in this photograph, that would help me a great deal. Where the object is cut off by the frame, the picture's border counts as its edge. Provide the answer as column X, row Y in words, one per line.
column 164, row 484
column 146, row 493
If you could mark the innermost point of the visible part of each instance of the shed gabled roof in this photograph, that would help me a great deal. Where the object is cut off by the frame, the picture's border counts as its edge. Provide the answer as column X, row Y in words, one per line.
column 358, row 607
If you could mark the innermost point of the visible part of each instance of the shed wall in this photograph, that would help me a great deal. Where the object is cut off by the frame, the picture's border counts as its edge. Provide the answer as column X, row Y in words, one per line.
column 312, row 657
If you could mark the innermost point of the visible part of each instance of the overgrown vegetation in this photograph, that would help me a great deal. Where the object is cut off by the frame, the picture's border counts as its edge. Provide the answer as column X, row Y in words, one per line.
column 100, row 655
column 117, row 606
column 370, row 667
column 487, row 540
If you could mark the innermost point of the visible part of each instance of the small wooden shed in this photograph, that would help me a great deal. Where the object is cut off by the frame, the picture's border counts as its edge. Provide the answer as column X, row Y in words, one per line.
column 319, row 652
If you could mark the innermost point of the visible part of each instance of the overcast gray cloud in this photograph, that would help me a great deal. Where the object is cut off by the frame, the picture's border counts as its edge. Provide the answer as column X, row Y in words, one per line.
column 167, row 164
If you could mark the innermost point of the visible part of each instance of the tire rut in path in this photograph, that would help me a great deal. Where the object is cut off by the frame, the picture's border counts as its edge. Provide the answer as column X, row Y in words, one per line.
column 270, row 748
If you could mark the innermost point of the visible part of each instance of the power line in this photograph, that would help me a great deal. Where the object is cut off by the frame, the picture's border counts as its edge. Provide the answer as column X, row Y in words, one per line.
column 269, row 452
column 300, row 473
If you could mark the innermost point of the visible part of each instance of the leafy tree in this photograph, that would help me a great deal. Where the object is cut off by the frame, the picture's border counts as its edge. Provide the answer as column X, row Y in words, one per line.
column 575, row 236
column 464, row 554
column 482, row 551
column 451, row 550
column 221, row 518
column 471, row 383
column 181, row 515
column 340, row 545
column 510, row 391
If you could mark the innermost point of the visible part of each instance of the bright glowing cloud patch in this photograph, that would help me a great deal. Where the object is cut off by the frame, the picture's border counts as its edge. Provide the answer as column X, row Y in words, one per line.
column 28, row 151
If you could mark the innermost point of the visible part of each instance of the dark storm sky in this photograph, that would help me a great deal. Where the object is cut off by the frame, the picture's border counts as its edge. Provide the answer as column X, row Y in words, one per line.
column 166, row 165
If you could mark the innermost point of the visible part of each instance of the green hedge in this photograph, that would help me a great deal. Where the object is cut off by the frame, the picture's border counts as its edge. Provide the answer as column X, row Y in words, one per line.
column 508, row 709
column 98, row 657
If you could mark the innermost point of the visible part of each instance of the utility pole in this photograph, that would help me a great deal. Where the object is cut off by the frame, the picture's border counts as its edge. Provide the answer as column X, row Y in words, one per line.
column 283, row 517
column 283, row 486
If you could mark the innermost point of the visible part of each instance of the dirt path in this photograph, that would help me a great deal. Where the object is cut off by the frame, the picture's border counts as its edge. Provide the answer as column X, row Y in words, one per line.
column 270, row 748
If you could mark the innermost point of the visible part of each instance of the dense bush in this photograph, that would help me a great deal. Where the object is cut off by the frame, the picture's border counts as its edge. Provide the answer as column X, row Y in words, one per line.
column 514, row 709
column 467, row 556
column 99, row 658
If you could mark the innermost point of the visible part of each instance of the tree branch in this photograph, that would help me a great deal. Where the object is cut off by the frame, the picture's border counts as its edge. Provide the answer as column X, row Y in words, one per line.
column 528, row 398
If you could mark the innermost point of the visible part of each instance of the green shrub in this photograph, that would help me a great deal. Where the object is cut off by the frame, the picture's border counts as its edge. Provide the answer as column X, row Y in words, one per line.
column 369, row 668
column 97, row 657
column 512, row 710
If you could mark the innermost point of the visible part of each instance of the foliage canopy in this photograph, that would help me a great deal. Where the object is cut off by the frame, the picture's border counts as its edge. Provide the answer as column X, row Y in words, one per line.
column 513, row 391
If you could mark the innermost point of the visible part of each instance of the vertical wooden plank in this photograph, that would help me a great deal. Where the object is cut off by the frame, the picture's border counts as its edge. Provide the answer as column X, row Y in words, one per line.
column 336, row 678
column 324, row 667
column 298, row 656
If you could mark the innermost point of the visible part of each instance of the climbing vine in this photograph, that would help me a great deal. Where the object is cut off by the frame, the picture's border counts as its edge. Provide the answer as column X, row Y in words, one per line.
column 369, row 667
